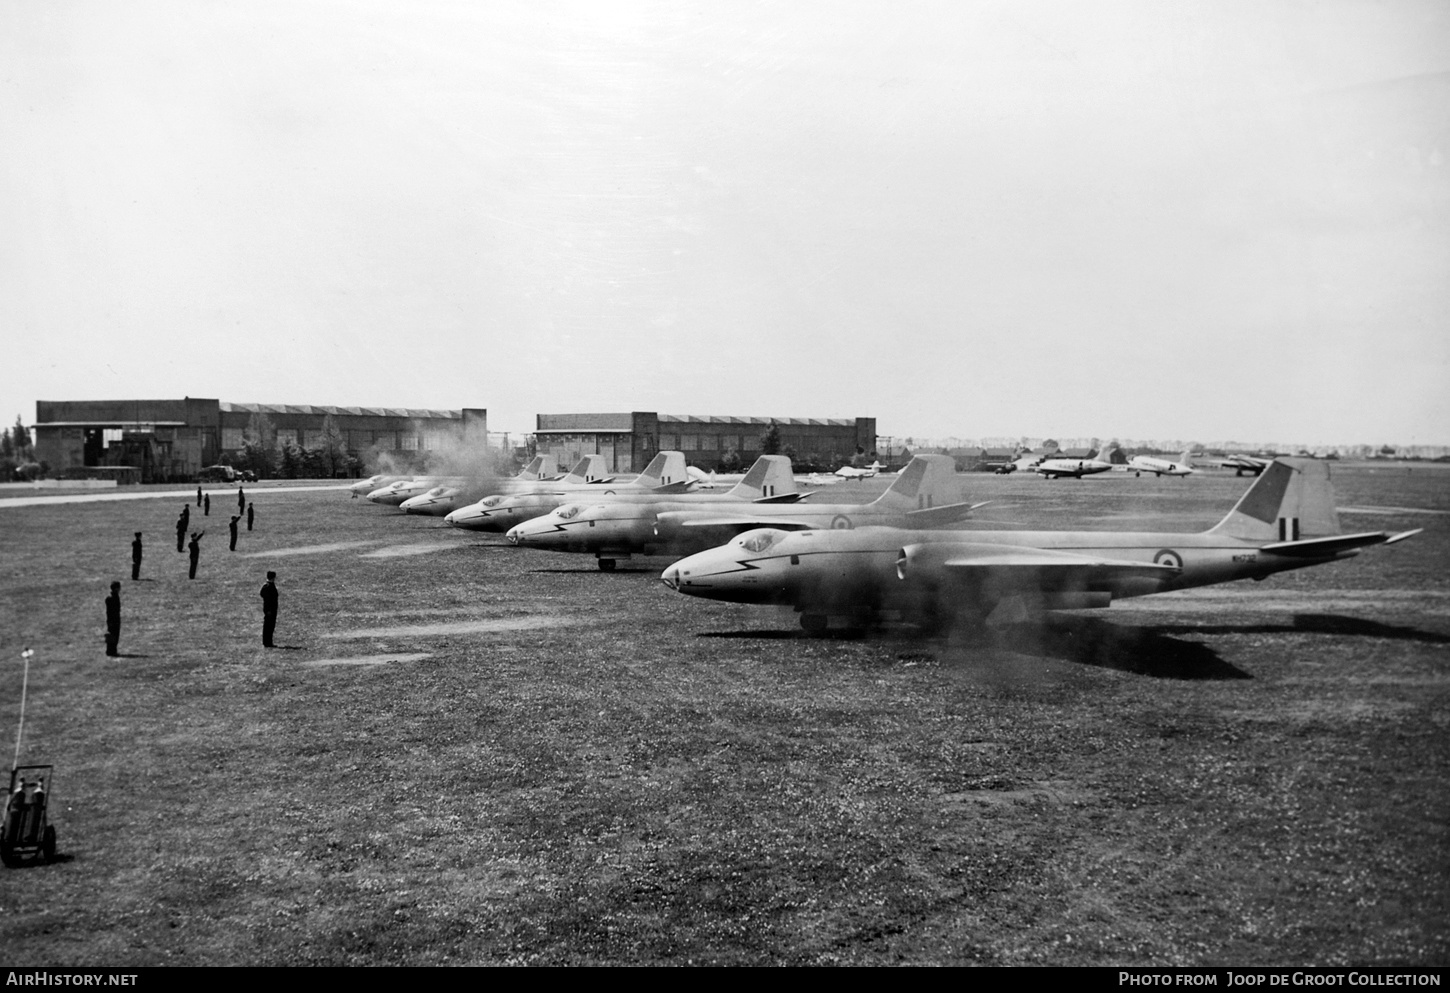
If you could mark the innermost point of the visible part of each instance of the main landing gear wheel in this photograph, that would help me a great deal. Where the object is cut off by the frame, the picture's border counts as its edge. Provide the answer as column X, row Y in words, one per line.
column 606, row 565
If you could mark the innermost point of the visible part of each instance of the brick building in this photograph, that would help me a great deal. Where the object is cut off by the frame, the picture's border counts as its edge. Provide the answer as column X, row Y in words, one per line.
column 170, row 440
column 629, row 440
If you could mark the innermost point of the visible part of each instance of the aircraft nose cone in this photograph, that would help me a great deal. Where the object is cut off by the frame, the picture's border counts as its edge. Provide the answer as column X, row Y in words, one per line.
column 671, row 578
column 514, row 537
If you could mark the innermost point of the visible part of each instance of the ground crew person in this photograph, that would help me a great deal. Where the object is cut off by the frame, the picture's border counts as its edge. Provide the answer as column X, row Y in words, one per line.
column 181, row 532
column 113, row 620
column 198, row 496
column 233, row 528
column 136, row 557
column 241, row 500
column 269, row 609
column 195, row 547
column 206, row 505
column 251, row 509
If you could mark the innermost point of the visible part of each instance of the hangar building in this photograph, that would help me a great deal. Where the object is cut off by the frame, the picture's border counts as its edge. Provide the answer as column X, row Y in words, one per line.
column 170, row 440
column 629, row 440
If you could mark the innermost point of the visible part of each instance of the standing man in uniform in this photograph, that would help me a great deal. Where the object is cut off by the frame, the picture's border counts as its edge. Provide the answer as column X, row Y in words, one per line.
column 136, row 557
column 233, row 528
column 251, row 509
column 181, row 523
column 206, row 505
column 198, row 496
column 113, row 620
column 269, row 609
column 241, row 500
column 195, row 547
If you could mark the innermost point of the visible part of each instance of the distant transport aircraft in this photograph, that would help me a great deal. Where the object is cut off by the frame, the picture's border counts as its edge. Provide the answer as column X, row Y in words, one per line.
column 498, row 512
column 1240, row 464
column 1077, row 468
column 1286, row 520
column 925, row 494
column 1140, row 464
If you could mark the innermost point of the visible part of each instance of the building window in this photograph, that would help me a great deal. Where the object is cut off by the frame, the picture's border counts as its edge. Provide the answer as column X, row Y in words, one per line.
column 286, row 436
column 689, row 443
column 409, row 441
column 670, row 442
column 232, row 439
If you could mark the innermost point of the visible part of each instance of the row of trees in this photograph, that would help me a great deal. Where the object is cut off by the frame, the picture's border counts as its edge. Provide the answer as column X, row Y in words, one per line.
column 770, row 444
column 268, row 458
column 17, row 454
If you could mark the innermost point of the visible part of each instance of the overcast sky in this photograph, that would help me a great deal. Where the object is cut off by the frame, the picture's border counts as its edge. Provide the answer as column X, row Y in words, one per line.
column 1218, row 220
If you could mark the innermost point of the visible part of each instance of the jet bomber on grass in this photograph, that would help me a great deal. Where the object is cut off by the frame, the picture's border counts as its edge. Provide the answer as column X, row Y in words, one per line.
column 1286, row 520
column 924, row 495
column 500, row 511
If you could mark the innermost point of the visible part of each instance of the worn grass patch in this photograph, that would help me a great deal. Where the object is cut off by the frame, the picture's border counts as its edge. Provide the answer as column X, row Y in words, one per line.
column 548, row 764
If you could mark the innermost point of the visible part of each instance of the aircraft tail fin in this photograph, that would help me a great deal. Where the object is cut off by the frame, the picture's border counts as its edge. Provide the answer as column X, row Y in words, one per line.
column 587, row 470
column 539, row 467
column 771, row 475
column 927, row 481
column 1289, row 500
column 664, row 469
column 1185, row 458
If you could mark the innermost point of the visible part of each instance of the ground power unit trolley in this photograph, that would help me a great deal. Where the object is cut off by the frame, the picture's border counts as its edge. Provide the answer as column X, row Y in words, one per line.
column 26, row 833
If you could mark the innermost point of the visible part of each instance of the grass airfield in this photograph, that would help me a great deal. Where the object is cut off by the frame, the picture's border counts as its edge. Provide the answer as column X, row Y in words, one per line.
column 468, row 753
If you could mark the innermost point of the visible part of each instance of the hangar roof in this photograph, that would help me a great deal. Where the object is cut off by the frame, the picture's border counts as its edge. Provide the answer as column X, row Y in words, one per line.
column 308, row 408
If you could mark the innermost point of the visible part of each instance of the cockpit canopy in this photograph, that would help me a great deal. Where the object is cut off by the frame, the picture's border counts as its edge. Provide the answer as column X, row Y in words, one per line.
column 569, row 512
column 760, row 539
column 492, row 501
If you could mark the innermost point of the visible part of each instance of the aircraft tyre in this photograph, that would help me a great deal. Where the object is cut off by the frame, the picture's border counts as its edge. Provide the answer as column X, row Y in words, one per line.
column 606, row 565
column 815, row 624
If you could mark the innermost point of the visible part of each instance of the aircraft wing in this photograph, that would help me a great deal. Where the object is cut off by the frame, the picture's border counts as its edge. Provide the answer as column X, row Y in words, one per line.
column 1334, row 544
column 686, row 487
column 935, row 517
column 1020, row 567
column 782, row 498
column 742, row 523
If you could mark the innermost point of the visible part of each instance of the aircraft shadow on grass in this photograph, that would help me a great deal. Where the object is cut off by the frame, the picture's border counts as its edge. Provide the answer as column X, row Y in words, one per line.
column 596, row 571
column 128, row 655
column 1081, row 640
column 1319, row 624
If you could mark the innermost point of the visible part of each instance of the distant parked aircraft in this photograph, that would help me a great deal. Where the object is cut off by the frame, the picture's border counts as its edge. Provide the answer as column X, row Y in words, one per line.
column 1077, row 468
column 1286, row 520
column 1140, row 464
column 859, row 472
column 1241, row 464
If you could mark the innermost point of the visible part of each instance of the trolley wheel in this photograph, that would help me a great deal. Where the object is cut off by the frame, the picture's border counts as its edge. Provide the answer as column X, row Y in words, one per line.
column 47, row 844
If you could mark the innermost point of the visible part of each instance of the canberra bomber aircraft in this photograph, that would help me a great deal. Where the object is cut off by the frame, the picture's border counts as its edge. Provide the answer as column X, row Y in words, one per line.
column 447, row 497
column 500, row 511
column 925, row 494
column 1286, row 520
